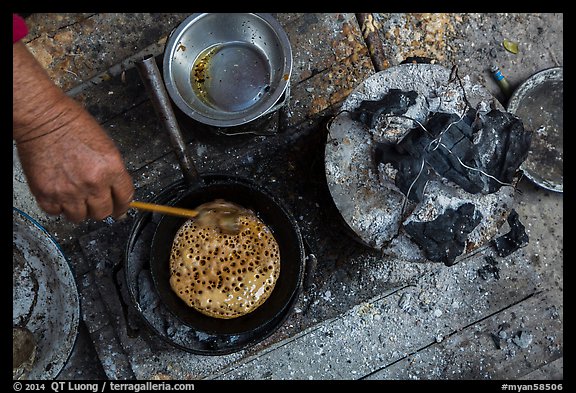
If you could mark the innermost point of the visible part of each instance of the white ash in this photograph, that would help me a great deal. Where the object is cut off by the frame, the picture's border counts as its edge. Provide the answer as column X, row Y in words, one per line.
column 523, row 339
column 405, row 249
column 387, row 175
column 441, row 195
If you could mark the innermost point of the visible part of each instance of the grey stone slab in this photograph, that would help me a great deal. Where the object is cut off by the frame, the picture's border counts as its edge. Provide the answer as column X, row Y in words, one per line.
column 491, row 348
column 390, row 327
column 553, row 371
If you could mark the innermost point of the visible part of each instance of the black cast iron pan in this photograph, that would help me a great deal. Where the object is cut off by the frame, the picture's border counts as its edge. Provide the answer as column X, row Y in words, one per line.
column 207, row 335
column 270, row 212
column 148, row 301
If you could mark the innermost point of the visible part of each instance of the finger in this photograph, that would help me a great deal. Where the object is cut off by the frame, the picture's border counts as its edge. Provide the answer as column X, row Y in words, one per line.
column 75, row 211
column 100, row 206
column 51, row 208
column 122, row 194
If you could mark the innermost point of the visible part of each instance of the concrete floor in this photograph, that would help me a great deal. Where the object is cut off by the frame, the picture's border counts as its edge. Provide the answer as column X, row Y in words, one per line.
column 360, row 316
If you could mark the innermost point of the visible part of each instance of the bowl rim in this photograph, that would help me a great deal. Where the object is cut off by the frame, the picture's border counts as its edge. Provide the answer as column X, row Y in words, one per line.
column 246, row 116
column 515, row 103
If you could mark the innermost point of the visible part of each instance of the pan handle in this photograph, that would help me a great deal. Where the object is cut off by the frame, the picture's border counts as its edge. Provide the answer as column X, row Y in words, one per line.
column 154, row 84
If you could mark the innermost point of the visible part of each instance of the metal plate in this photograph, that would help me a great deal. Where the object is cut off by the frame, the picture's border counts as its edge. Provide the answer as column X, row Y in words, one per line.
column 369, row 202
column 539, row 102
column 45, row 296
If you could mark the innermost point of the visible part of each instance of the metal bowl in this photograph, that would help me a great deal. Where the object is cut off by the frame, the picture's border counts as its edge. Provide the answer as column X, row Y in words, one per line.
column 226, row 70
column 539, row 102
column 45, row 297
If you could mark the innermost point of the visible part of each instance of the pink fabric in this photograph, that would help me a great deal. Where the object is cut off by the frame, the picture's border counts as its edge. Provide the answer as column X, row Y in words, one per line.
column 19, row 28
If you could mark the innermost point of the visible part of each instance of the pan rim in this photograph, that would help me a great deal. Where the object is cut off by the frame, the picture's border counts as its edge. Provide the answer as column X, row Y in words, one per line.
column 221, row 343
column 286, row 285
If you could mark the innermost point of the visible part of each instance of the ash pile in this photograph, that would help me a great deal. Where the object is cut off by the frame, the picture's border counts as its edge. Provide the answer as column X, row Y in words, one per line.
column 423, row 164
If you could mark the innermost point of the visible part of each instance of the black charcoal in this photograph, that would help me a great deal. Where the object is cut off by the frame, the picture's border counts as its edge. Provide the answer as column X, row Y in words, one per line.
column 513, row 240
column 395, row 102
column 479, row 152
column 502, row 146
column 444, row 238
column 490, row 269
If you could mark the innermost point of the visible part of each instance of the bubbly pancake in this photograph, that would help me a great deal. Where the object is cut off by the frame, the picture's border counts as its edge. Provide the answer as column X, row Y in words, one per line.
column 224, row 275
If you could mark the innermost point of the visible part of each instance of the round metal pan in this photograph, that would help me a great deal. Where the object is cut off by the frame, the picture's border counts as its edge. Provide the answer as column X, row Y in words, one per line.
column 539, row 102
column 147, row 270
column 270, row 212
column 45, row 297
column 226, row 70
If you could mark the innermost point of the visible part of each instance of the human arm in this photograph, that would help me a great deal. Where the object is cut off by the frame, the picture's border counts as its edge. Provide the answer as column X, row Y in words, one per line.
column 71, row 164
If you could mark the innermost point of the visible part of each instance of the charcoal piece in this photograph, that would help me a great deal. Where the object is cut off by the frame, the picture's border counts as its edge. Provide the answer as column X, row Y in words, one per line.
column 503, row 146
column 395, row 102
column 407, row 158
column 412, row 176
column 491, row 261
column 444, row 238
column 496, row 340
column 514, row 239
column 456, row 146
column 417, row 60
column 453, row 147
column 502, row 335
column 438, row 122
column 490, row 269
column 456, row 150
column 412, row 179
column 387, row 152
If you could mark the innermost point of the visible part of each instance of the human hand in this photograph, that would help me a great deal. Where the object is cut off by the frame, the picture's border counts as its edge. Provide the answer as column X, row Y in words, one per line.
column 76, row 170
column 71, row 164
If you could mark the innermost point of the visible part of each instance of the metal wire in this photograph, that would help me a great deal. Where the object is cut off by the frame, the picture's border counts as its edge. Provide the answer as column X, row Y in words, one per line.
column 405, row 202
column 437, row 141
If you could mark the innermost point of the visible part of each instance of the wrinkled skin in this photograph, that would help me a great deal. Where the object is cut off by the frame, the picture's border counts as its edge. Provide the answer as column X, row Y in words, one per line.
column 71, row 164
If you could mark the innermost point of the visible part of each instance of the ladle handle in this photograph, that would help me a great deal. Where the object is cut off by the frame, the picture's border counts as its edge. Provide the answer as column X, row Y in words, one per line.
column 170, row 210
column 154, row 84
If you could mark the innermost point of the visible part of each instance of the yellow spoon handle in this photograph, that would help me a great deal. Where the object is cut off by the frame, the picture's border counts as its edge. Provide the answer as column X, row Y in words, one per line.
column 170, row 210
